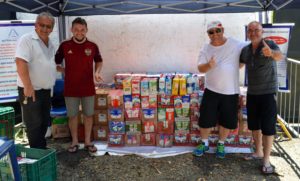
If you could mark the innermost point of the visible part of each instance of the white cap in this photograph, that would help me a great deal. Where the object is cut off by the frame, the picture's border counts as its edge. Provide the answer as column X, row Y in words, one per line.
column 214, row 24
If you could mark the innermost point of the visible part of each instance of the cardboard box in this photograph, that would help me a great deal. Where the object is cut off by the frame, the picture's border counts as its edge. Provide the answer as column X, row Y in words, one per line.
column 182, row 86
column 60, row 131
column 149, row 114
column 132, row 140
column 195, row 139
column 119, row 79
column 133, row 114
column 116, row 127
column 100, row 117
column 153, row 84
column 133, row 127
column 231, row 140
column 164, row 140
column 165, row 101
column 149, row 126
column 181, row 139
column 170, row 115
column 162, row 85
column 194, row 100
column 190, row 85
column 245, row 140
column 148, row 139
column 115, row 98
column 101, row 99
column 152, row 101
column 175, row 86
column 116, row 140
column 168, row 89
column 116, row 114
column 213, row 139
column 166, row 126
column 100, row 132
column 145, row 102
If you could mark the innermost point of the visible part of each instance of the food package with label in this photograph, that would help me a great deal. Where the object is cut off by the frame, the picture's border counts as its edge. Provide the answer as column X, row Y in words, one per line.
column 100, row 132
column 175, row 86
column 127, row 86
column 152, row 101
column 194, row 127
column 145, row 87
column 168, row 90
column 165, row 100
column 149, row 114
column 133, row 114
column 128, row 101
column 213, row 139
column 182, row 86
column 119, row 77
column 153, row 83
column 182, row 124
column 190, row 85
column 231, row 140
column 145, row 101
column 149, row 126
column 132, row 139
column 164, row 140
column 181, row 139
column 166, row 126
column 195, row 139
column 101, row 97
column 162, row 85
column 116, row 140
column 100, row 117
column 133, row 127
column 116, row 114
column 148, row 139
column 136, row 101
column 115, row 98
column 135, row 85
column 116, row 127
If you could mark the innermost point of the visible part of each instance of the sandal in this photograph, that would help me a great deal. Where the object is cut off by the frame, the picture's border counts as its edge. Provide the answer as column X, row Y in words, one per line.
column 252, row 157
column 73, row 149
column 268, row 169
column 91, row 148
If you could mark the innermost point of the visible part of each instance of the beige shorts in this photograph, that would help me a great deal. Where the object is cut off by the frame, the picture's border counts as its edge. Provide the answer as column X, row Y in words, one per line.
column 87, row 105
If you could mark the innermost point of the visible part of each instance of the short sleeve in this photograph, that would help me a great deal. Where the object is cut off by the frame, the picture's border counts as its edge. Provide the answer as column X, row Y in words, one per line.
column 59, row 55
column 23, row 48
column 202, row 59
column 97, row 57
column 243, row 56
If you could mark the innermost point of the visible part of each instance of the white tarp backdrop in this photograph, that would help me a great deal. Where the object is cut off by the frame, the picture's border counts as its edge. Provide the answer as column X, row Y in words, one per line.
column 156, row 43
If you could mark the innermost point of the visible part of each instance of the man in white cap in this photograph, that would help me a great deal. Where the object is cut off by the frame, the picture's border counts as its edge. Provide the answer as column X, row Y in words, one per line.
column 219, row 60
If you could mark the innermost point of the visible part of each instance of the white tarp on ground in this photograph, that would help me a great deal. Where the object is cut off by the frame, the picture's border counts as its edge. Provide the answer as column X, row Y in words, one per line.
column 157, row 152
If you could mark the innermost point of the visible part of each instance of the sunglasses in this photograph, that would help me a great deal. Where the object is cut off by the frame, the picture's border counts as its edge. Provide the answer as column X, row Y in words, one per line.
column 211, row 32
column 45, row 26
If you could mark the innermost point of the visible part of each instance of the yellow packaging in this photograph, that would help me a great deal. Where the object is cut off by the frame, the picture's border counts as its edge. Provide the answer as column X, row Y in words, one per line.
column 127, row 86
column 175, row 86
column 182, row 90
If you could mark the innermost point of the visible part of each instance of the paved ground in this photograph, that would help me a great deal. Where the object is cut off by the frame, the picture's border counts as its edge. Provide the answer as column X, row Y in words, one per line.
column 81, row 166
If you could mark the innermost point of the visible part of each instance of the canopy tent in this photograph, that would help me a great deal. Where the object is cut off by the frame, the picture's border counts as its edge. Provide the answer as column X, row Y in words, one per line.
column 117, row 7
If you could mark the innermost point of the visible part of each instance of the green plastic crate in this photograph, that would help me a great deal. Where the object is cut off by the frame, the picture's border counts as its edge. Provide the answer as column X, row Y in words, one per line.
column 60, row 120
column 7, row 122
column 42, row 170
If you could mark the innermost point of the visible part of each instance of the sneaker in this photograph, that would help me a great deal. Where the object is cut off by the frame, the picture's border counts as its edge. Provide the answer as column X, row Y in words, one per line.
column 200, row 149
column 220, row 150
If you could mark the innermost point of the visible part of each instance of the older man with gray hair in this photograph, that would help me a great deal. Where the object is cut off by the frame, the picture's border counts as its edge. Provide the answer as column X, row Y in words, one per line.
column 36, row 77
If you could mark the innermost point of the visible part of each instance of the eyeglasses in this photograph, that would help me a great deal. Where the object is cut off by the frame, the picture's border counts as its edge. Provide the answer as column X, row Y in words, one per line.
column 45, row 26
column 254, row 31
column 217, row 30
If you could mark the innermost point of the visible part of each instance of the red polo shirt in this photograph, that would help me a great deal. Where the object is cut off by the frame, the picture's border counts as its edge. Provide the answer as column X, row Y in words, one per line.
column 79, row 58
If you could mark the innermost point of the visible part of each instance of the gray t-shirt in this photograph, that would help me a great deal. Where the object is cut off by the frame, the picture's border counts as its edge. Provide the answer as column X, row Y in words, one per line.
column 261, row 70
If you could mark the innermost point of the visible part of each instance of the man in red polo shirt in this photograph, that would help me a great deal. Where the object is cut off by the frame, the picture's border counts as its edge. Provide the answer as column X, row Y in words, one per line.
column 79, row 54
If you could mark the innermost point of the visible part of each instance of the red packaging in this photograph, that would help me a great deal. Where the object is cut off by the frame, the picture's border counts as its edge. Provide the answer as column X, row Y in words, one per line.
column 149, row 114
column 231, row 140
column 149, row 126
column 170, row 114
column 145, row 102
column 165, row 101
column 164, row 140
column 115, row 98
column 195, row 127
column 213, row 139
column 136, row 101
column 133, row 140
column 133, row 114
column 195, row 139
column 135, row 84
column 166, row 126
column 119, row 79
column 181, row 139
column 116, row 140
column 152, row 101
column 148, row 139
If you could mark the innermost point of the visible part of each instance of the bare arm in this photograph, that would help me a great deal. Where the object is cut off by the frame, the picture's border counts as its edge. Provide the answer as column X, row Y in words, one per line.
column 22, row 69
column 98, row 67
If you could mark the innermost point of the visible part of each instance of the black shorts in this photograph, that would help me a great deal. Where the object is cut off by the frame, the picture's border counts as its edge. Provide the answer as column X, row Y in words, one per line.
column 218, row 107
column 262, row 113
